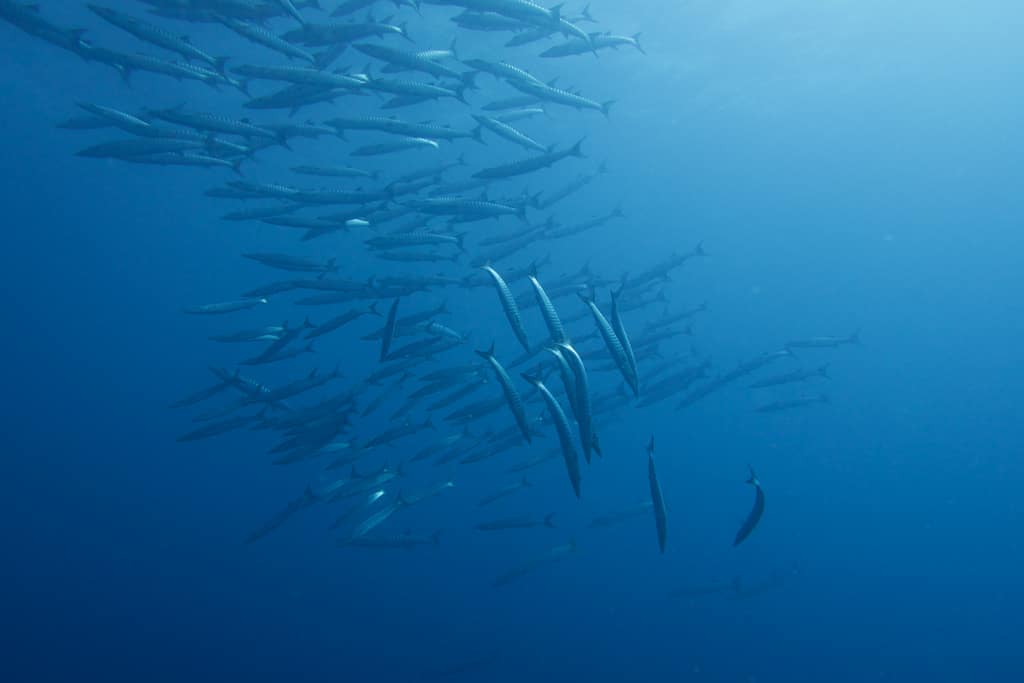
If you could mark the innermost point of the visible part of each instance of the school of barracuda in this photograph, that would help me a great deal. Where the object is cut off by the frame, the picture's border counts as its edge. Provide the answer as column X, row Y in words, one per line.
column 570, row 359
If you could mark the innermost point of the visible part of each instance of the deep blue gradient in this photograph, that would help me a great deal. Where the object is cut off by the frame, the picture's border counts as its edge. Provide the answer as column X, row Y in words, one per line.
column 847, row 165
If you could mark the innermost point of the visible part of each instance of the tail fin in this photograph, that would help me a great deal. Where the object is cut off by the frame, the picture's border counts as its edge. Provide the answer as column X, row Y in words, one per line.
column 577, row 149
column 823, row 371
column 753, row 480
column 606, row 108
column 488, row 354
column 637, row 45
column 525, row 483
column 854, row 338
column 220, row 64
column 549, row 520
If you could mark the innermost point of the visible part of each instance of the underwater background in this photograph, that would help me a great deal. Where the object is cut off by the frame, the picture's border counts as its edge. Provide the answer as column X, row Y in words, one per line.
column 846, row 166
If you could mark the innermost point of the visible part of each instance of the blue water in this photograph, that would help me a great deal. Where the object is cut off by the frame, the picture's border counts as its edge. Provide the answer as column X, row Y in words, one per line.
column 847, row 166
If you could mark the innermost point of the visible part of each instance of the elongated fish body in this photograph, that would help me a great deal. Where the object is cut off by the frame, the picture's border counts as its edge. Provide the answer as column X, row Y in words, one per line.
column 225, row 307
column 218, row 428
column 326, row 35
column 283, row 354
column 547, row 309
column 412, row 61
column 504, row 492
column 334, row 171
column 415, row 89
column 402, row 145
column 584, row 414
column 413, row 239
column 530, row 165
column 569, row 454
column 341, row 320
column 397, row 126
column 377, row 518
column 477, row 410
column 292, row 263
column 185, row 159
column 289, row 7
column 513, row 103
column 519, row 114
column 486, row 21
column 275, row 522
column 547, row 93
column 755, row 513
column 120, row 119
column 512, row 397
column 389, row 330
column 157, row 36
column 508, row 303
column 568, row 380
column 627, row 347
column 299, row 75
column 534, row 461
column 506, row 131
column 503, row 70
column 598, row 41
column 211, row 122
column 201, row 395
column 824, row 342
column 657, row 500
column 138, row 147
column 404, row 541
column 791, row 377
column 263, row 37
column 361, row 506
column 617, row 518
column 549, row 557
column 463, row 207
column 611, row 342
column 518, row 523
column 569, row 230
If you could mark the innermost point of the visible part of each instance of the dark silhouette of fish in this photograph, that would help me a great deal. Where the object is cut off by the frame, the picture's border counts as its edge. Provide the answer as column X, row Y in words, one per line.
column 755, row 513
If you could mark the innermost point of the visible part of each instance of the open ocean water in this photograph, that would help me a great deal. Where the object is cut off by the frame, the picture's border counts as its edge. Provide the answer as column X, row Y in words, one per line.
column 821, row 198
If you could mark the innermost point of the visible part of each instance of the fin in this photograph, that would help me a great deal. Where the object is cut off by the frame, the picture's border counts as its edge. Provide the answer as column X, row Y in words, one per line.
column 549, row 520
column 753, row 478
column 636, row 43
column 489, row 353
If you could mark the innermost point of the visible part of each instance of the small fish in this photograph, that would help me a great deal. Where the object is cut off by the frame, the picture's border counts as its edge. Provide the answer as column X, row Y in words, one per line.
column 616, row 518
column 506, row 491
column 657, row 500
column 518, row 523
column 512, row 397
column 824, row 342
column 508, row 303
column 389, row 330
column 569, row 454
column 224, row 307
column 548, row 557
column 755, row 513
